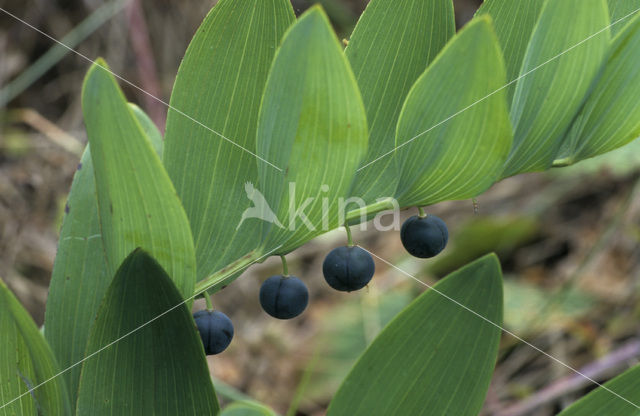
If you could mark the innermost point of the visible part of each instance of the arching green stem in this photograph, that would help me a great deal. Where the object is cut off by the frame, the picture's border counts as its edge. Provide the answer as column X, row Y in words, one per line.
column 561, row 163
column 421, row 212
column 382, row 205
column 285, row 268
column 218, row 280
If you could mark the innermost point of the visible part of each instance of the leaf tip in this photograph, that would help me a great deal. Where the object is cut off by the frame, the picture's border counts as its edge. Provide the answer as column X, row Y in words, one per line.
column 491, row 259
column 316, row 15
column 484, row 24
column 97, row 69
column 101, row 62
column 98, row 64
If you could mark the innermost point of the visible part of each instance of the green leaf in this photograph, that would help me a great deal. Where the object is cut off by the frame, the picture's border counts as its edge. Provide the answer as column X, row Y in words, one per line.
column 618, row 163
column 514, row 22
column 145, row 354
column 610, row 117
column 565, row 54
column 345, row 331
column 138, row 206
column 149, row 127
column 218, row 87
column 313, row 126
column 80, row 277
column 603, row 402
column 621, row 12
column 391, row 46
column 454, row 132
column 26, row 362
column 247, row 408
column 435, row 357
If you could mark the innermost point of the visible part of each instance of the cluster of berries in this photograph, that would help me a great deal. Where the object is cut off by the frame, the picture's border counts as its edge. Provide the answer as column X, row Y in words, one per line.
column 345, row 268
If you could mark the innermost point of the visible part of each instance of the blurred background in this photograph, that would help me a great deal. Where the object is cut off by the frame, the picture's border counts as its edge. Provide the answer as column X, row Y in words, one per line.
column 567, row 239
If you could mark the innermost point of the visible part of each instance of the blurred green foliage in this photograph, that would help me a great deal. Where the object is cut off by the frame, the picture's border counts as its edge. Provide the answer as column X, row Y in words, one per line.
column 524, row 302
column 346, row 332
column 484, row 235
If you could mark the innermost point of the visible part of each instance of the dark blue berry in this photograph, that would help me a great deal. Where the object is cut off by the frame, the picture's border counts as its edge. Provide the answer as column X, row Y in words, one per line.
column 348, row 268
column 216, row 330
column 424, row 237
column 284, row 297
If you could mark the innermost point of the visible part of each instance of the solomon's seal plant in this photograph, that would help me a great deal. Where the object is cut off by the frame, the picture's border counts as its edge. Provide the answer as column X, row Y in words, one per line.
column 284, row 296
column 424, row 235
column 348, row 268
column 216, row 330
column 411, row 113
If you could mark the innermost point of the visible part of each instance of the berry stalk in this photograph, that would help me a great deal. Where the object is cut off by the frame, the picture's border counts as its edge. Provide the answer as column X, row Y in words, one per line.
column 349, row 236
column 228, row 274
column 207, row 299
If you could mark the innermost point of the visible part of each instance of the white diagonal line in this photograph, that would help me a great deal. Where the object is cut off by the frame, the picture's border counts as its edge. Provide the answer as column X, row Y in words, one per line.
column 125, row 335
column 501, row 328
column 498, row 90
column 375, row 160
column 140, row 89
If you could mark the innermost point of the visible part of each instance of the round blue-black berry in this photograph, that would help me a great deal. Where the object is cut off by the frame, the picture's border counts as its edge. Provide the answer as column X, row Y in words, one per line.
column 284, row 297
column 424, row 237
column 216, row 330
column 348, row 268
